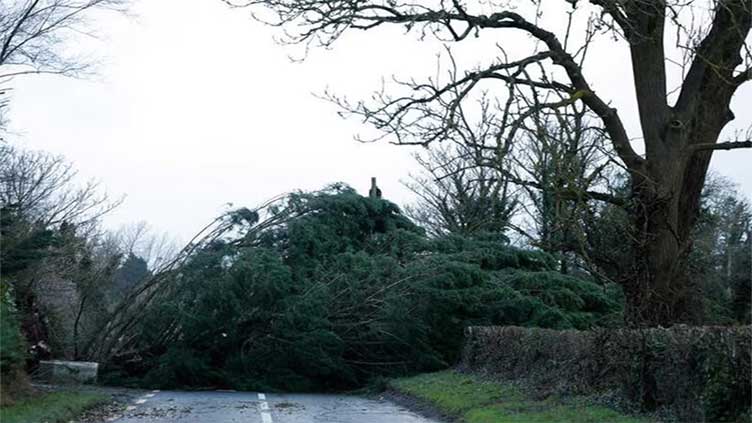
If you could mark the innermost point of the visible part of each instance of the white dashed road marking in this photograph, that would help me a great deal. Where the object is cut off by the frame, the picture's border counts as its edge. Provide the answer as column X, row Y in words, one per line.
column 266, row 416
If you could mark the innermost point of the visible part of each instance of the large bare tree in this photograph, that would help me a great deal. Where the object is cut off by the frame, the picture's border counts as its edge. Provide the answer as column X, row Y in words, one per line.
column 679, row 126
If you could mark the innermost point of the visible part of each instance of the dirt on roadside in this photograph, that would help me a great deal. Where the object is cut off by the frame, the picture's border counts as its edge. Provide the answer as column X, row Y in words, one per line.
column 118, row 400
column 417, row 405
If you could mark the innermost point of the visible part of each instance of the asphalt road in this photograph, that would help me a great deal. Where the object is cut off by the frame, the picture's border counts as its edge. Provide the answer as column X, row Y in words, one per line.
column 253, row 407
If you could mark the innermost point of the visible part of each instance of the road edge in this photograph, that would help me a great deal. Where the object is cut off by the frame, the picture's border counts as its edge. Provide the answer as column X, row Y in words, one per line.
column 417, row 405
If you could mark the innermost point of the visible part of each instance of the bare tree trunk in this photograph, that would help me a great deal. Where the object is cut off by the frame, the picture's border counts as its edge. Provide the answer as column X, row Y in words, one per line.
column 76, row 327
column 666, row 189
column 666, row 200
column 659, row 291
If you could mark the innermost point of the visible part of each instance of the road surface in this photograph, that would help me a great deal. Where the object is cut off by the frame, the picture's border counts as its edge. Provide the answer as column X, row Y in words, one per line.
column 253, row 407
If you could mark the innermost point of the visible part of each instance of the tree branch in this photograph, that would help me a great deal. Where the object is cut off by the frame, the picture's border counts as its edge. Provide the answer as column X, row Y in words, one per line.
column 721, row 146
column 717, row 55
column 744, row 76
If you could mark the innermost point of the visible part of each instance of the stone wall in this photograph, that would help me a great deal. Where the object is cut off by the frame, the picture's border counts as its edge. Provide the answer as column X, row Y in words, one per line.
column 59, row 300
column 68, row 372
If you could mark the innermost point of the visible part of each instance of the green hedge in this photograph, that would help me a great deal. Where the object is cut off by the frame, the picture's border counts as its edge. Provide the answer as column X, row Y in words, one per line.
column 693, row 373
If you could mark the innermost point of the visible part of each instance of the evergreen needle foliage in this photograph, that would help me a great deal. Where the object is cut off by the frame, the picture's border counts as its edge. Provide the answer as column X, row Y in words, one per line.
column 12, row 343
column 347, row 290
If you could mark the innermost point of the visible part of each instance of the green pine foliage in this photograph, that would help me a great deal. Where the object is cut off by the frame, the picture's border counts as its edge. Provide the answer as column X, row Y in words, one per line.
column 348, row 290
column 130, row 273
column 12, row 343
column 25, row 243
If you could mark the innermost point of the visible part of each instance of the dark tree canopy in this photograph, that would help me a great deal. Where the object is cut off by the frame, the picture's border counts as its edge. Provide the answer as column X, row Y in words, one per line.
column 131, row 272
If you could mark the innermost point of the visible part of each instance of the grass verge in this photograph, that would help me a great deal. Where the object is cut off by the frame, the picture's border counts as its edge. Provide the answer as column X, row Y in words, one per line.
column 472, row 400
column 51, row 407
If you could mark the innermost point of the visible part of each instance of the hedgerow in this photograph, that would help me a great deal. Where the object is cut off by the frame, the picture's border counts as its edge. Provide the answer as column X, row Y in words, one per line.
column 686, row 373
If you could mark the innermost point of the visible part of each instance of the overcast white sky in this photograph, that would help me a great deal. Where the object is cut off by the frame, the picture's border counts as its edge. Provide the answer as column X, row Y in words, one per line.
column 196, row 106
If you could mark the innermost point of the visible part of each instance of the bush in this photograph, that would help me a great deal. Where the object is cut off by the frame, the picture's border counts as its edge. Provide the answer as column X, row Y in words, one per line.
column 12, row 345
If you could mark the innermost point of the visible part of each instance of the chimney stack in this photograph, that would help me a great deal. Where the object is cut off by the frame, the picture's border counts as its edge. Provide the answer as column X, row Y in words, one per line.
column 374, row 192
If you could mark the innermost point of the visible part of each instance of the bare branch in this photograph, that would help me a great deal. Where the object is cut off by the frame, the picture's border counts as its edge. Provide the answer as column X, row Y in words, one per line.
column 721, row 146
